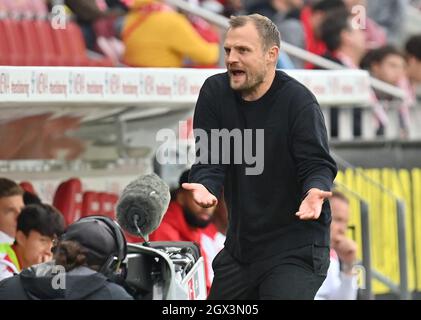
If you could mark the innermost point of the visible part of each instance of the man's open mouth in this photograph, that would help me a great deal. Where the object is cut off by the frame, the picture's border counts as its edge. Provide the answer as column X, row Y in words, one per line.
column 237, row 72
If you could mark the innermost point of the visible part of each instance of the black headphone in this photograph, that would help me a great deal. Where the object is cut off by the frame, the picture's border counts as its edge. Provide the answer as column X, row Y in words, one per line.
column 114, row 261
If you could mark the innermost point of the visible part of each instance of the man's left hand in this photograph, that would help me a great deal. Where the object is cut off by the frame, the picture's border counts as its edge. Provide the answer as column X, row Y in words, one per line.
column 311, row 206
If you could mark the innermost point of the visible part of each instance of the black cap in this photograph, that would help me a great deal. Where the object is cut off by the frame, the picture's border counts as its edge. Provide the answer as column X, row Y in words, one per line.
column 93, row 235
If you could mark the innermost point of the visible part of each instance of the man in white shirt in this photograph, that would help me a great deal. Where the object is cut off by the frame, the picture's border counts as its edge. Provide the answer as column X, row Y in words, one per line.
column 341, row 282
column 11, row 203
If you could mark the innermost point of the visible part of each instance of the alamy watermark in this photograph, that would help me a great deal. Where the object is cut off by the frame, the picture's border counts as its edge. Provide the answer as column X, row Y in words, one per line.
column 215, row 146
column 58, row 17
column 360, row 273
column 58, row 281
column 359, row 19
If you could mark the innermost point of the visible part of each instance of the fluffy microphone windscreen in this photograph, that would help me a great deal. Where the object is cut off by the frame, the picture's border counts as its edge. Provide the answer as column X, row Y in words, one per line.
column 143, row 203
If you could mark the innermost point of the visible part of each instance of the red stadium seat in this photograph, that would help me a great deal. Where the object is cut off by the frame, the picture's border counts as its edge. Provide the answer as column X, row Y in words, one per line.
column 50, row 55
column 90, row 204
column 113, row 198
column 34, row 42
column 27, row 186
column 5, row 58
column 31, row 41
column 62, row 47
column 14, row 42
column 107, row 203
column 68, row 199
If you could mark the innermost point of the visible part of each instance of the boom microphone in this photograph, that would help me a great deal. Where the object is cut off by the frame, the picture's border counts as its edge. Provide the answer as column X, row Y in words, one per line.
column 142, row 205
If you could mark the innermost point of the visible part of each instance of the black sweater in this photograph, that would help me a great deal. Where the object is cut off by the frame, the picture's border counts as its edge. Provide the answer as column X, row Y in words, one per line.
column 262, row 207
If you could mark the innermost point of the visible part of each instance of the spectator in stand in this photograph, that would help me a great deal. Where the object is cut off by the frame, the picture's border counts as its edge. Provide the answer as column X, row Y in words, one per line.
column 90, row 12
column 284, row 14
column 11, row 203
column 38, row 225
column 100, row 23
column 341, row 282
column 413, row 57
column 86, row 12
column 412, row 79
column 408, row 82
column 234, row 7
column 390, row 14
column 157, row 36
column 375, row 34
column 312, row 17
column 187, row 221
column 388, row 64
column 347, row 46
column 345, row 43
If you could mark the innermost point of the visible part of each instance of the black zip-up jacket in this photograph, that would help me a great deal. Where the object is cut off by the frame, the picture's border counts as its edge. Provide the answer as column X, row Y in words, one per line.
column 293, row 158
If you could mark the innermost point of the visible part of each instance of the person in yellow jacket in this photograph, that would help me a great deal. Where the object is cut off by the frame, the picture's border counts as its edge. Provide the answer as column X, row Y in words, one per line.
column 157, row 36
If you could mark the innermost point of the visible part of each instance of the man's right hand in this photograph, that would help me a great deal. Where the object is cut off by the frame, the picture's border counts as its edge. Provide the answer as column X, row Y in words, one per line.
column 201, row 195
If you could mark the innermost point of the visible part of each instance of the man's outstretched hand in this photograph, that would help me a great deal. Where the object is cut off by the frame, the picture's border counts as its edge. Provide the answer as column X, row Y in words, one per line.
column 311, row 206
column 201, row 195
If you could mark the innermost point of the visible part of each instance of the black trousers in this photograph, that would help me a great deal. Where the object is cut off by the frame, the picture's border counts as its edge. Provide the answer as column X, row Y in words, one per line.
column 292, row 275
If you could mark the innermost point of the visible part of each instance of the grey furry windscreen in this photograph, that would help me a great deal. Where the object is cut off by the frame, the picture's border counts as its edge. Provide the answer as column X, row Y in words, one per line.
column 147, row 197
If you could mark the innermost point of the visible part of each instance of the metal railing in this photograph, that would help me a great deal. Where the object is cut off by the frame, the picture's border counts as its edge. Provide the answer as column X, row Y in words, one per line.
column 367, row 292
column 401, row 232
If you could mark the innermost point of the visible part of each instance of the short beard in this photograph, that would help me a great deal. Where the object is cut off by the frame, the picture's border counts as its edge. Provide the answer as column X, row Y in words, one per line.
column 250, row 84
column 193, row 221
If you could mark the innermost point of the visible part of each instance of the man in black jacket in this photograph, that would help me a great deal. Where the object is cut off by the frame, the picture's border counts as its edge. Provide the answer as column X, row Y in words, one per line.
column 277, row 244
column 85, row 258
